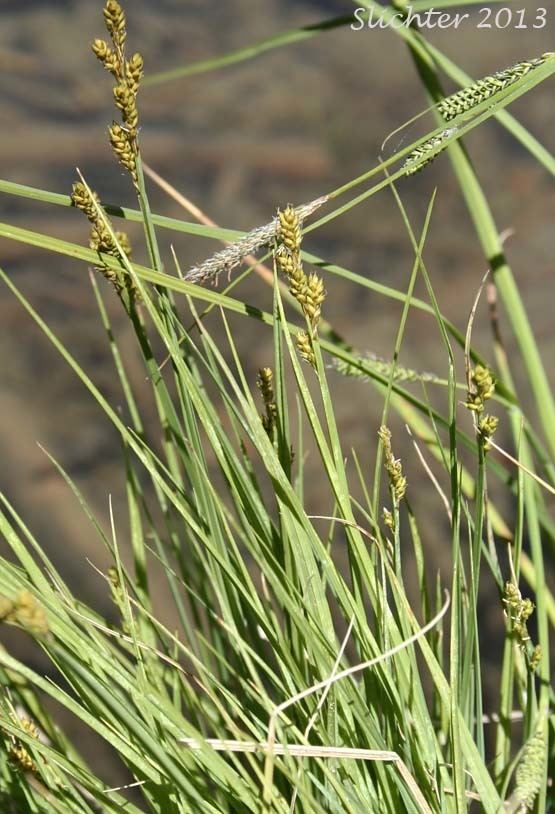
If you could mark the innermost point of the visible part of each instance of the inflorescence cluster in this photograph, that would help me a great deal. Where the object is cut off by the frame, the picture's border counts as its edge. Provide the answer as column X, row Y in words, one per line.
column 307, row 289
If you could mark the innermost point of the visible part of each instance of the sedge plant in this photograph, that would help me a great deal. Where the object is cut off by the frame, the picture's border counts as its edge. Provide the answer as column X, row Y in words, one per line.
column 298, row 673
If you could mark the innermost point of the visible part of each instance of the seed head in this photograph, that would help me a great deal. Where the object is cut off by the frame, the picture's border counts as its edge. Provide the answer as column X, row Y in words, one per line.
column 314, row 297
column 393, row 466
column 85, row 200
column 25, row 611
column 482, row 387
column 134, row 72
column 486, row 429
column 124, row 147
column 265, row 384
column 290, row 229
column 304, row 346
column 114, row 18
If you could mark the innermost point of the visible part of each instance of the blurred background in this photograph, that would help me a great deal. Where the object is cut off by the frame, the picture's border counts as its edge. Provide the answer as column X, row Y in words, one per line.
column 287, row 126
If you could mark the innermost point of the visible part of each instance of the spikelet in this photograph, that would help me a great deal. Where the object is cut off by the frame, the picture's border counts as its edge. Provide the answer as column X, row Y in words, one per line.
column 314, row 297
column 108, row 57
column 387, row 518
column 124, row 98
column 134, row 70
column 304, row 346
column 518, row 610
column 471, row 96
column 290, row 234
column 128, row 75
column 393, row 466
column 535, row 658
column 529, row 773
column 124, row 149
column 18, row 754
column 427, row 152
column 229, row 258
column 26, row 612
column 307, row 290
column 464, row 100
column 265, row 383
column 101, row 240
column 383, row 368
column 481, row 388
column 21, row 759
column 486, row 430
column 114, row 18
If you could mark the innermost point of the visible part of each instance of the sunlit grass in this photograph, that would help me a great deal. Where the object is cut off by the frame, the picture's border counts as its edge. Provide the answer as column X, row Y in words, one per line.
column 298, row 672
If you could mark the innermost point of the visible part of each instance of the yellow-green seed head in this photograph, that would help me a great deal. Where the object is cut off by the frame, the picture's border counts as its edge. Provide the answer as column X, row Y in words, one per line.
column 482, row 387
column 100, row 49
column 124, row 148
column 527, row 609
column 114, row 18
column 314, row 297
column 20, row 758
column 29, row 727
column 304, row 346
column 29, row 614
column 290, row 265
column 387, row 518
column 101, row 240
column 486, row 429
column 107, row 56
column 535, row 658
column 483, row 381
column 84, row 200
column 125, row 100
column 511, row 594
column 290, row 229
column 134, row 72
column 124, row 242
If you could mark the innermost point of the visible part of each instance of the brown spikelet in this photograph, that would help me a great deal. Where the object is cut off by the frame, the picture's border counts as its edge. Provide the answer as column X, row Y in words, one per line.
column 393, row 466
column 265, row 383
column 101, row 239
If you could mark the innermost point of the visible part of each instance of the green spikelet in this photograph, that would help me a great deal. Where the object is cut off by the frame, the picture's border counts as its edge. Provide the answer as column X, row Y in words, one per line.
column 424, row 154
column 530, row 772
column 471, row 96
